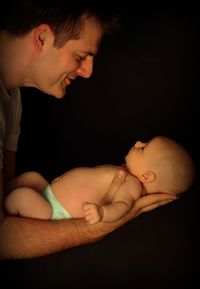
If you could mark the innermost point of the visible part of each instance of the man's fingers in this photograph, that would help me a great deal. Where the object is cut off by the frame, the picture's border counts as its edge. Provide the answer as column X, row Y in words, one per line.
column 153, row 206
column 153, row 200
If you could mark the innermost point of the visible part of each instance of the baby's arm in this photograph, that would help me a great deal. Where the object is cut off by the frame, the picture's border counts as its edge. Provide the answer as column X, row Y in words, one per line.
column 92, row 212
column 121, row 204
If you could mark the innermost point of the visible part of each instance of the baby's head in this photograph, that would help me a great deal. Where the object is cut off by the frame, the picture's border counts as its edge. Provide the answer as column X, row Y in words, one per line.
column 162, row 165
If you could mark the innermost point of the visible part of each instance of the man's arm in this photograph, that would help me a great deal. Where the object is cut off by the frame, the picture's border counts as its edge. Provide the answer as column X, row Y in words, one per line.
column 26, row 238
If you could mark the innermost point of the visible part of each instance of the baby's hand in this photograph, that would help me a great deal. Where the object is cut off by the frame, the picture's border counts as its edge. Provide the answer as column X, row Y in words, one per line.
column 92, row 213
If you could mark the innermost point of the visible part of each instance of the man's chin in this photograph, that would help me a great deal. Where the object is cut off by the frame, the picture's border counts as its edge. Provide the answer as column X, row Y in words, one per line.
column 59, row 93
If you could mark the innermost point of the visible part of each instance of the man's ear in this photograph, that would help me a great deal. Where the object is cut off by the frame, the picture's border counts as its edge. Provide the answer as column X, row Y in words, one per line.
column 43, row 35
column 147, row 177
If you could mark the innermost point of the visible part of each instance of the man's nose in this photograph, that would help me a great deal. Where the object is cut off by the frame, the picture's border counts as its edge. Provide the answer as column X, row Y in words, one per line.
column 86, row 67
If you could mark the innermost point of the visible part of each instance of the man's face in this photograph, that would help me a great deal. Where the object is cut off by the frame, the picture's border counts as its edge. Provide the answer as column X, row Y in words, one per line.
column 58, row 67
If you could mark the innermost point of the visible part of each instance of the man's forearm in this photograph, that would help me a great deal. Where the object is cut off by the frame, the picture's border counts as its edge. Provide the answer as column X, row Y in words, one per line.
column 27, row 238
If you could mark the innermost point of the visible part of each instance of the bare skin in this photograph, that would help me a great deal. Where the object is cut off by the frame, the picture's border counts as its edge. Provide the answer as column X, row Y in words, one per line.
column 160, row 165
column 24, row 61
column 27, row 238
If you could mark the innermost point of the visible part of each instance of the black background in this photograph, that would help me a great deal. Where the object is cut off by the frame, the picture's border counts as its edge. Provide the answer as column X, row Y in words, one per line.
column 143, row 85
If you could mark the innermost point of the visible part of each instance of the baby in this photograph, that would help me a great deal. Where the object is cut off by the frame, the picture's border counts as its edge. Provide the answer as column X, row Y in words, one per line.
column 158, row 166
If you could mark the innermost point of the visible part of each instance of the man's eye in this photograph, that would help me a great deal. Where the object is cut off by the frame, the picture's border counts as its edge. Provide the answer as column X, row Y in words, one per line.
column 82, row 58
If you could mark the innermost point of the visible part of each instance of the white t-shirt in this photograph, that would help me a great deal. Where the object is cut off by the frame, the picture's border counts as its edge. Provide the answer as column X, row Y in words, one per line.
column 10, row 116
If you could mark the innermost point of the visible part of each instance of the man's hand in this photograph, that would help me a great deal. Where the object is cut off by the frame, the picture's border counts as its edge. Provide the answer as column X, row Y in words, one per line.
column 150, row 202
column 143, row 204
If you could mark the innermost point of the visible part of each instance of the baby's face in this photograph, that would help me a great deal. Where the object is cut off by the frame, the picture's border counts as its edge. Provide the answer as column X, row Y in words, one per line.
column 141, row 155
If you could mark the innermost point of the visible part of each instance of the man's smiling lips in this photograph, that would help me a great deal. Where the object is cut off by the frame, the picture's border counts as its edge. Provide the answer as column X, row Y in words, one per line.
column 68, row 80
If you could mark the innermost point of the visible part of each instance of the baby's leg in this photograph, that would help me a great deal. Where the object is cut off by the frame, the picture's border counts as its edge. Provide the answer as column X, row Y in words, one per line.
column 29, row 179
column 26, row 202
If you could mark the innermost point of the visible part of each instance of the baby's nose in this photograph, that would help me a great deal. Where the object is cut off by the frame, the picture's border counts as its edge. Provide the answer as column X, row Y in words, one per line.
column 139, row 144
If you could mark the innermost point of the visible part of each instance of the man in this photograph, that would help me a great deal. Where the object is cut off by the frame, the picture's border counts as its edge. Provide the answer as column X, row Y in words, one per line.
column 47, row 46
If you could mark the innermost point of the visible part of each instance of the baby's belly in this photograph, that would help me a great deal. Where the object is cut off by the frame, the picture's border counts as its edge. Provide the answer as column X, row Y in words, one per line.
column 82, row 185
column 73, row 200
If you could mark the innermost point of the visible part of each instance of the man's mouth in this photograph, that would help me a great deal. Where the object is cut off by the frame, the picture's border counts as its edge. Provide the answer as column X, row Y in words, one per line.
column 68, row 80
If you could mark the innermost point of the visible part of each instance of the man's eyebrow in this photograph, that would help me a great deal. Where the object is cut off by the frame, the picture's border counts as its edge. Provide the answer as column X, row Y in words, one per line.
column 92, row 54
column 89, row 53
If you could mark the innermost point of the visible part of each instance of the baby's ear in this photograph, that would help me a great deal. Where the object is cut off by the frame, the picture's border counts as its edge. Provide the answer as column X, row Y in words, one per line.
column 147, row 177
